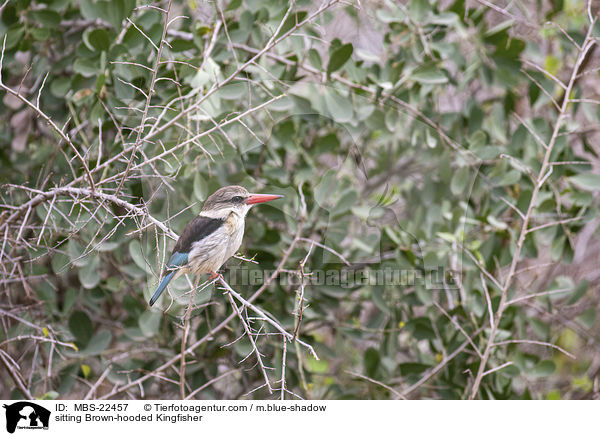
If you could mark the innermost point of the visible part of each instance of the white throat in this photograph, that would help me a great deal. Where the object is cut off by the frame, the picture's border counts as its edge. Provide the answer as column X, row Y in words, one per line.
column 223, row 213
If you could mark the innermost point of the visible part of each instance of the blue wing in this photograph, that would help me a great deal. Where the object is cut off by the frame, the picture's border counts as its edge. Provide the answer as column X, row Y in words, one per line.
column 176, row 260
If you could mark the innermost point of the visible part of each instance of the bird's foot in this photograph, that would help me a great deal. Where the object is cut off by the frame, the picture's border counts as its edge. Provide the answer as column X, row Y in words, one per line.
column 214, row 276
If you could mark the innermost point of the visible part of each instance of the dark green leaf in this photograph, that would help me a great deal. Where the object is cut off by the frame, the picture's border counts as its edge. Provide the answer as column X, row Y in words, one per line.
column 372, row 360
column 81, row 327
column 339, row 57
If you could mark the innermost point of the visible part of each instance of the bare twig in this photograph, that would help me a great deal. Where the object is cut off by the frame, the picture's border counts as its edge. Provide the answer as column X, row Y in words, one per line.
column 542, row 176
column 149, row 95
column 238, row 312
column 396, row 393
column 15, row 375
column 46, row 118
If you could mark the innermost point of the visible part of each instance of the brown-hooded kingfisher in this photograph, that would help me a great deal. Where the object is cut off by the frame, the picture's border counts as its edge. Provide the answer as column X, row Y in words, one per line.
column 213, row 236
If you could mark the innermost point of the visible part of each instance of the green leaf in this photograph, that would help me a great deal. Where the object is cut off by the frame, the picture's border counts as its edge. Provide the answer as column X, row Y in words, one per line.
column 233, row 91
column 477, row 139
column 60, row 87
column 588, row 317
column 291, row 21
column 81, row 327
column 459, row 181
column 430, row 76
column 233, row 5
column 60, row 263
column 89, row 275
column 86, row 67
column 345, row 203
column 47, row 17
column 586, row 181
column 40, row 34
column 509, row 178
column 544, row 369
column 579, row 292
column 317, row 366
column 339, row 57
column 99, row 342
column 411, row 368
column 96, row 39
column 135, row 251
column 69, row 300
column 100, row 82
column 392, row 14
column 371, row 361
column 487, row 152
column 315, row 59
column 325, row 188
column 113, row 11
column 149, row 323
column 338, row 106
column 378, row 297
column 421, row 328
column 445, row 19
column 200, row 187
column 75, row 251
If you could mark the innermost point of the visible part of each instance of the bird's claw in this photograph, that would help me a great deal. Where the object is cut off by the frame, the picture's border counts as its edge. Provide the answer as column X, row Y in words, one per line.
column 214, row 276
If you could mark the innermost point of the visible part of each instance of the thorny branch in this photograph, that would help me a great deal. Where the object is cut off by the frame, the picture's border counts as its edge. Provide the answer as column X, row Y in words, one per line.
column 542, row 176
column 99, row 194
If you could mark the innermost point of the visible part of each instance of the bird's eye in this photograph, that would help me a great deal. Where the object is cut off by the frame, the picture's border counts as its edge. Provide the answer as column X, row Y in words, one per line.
column 237, row 199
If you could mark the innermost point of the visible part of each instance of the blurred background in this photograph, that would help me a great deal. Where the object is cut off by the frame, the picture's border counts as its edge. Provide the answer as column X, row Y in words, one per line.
column 453, row 144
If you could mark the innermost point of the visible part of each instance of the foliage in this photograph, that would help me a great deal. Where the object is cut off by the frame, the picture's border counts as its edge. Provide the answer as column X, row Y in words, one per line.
column 449, row 143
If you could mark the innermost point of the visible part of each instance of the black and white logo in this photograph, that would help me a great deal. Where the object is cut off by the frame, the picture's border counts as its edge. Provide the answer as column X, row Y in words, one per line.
column 26, row 415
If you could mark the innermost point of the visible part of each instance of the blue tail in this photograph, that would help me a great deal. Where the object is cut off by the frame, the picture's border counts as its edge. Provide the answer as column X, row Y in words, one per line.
column 176, row 261
column 163, row 285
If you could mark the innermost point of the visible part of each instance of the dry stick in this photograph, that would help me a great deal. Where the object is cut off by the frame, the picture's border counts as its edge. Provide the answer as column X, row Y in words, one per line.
column 40, row 339
column 44, row 196
column 542, row 176
column 537, row 294
column 439, row 366
column 108, row 162
column 488, row 300
column 508, row 14
column 498, row 368
column 210, row 382
column 21, row 320
column 283, row 364
column 195, row 138
column 222, row 324
column 186, row 331
column 67, row 190
column 148, row 98
column 46, row 118
column 528, row 341
column 378, row 383
column 326, row 248
column 92, row 391
column 459, row 327
column 265, row 317
column 300, row 293
column 271, row 43
column 15, row 376
column 238, row 312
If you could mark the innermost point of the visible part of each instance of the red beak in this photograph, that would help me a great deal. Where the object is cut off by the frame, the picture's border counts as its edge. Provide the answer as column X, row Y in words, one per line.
column 261, row 198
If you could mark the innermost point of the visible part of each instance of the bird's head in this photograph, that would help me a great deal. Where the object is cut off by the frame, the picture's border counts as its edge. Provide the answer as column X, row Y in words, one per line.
column 233, row 199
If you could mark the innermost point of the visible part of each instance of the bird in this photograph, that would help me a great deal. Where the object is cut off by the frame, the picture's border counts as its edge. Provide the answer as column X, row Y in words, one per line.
column 213, row 236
